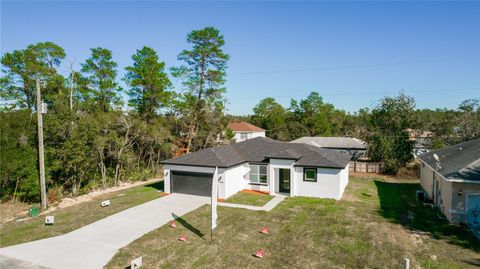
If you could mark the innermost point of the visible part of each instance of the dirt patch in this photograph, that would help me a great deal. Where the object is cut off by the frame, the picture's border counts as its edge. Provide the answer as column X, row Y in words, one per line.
column 13, row 210
column 350, row 197
column 67, row 202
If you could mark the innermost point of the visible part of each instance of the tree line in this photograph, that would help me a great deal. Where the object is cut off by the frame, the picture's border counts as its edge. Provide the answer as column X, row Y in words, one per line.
column 92, row 140
column 384, row 127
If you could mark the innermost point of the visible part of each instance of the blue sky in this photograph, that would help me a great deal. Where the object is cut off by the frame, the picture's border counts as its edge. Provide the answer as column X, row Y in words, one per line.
column 352, row 53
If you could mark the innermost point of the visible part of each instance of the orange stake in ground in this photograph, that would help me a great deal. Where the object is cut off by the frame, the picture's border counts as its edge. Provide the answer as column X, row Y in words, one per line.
column 259, row 253
column 183, row 238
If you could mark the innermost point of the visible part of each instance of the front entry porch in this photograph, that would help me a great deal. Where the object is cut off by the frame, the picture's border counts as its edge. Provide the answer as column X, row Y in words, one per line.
column 284, row 180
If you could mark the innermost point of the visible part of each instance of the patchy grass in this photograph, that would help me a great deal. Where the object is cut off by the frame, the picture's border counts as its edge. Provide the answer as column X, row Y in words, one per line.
column 245, row 198
column 12, row 210
column 372, row 227
column 74, row 217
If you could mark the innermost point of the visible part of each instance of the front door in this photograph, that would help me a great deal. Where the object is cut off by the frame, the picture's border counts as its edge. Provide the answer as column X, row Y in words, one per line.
column 284, row 180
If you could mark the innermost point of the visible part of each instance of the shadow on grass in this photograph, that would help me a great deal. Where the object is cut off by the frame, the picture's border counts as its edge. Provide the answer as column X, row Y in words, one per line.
column 398, row 204
column 160, row 185
column 187, row 225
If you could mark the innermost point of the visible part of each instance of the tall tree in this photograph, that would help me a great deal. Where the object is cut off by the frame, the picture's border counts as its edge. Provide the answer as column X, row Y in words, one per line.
column 203, row 75
column 388, row 140
column 468, row 120
column 148, row 83
column 22, row 67
column 101, row 73
column 316, row 116
column 271, row 116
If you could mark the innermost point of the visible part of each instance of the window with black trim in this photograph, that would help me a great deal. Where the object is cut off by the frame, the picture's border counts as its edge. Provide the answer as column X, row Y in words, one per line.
column 258, row 174
column 310, row 174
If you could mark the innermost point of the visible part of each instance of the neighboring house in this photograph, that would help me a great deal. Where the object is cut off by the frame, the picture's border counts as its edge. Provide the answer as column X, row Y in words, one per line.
column 453, row 181
column 244, row 130
column 353, row 146
column 422, row 141
column 260, row 164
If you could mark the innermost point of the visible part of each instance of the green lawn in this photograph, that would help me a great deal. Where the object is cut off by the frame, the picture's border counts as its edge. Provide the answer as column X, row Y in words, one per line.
column 375, row 225
column 74, row 217
column 245, row 198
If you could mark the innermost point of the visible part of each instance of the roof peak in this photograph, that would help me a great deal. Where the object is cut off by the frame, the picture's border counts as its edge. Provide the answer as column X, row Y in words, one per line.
column 243, row 126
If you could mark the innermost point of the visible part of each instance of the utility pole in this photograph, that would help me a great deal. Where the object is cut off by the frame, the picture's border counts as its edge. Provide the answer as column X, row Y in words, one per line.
column 41, row 162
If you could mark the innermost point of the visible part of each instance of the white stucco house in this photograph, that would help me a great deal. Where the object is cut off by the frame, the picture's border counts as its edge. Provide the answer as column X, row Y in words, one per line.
column 244, row 131
column 451, row 178
column 260, row 164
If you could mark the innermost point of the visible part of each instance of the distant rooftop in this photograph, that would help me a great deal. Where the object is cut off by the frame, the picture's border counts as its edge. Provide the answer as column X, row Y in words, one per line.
column 332, row 142
column 244, row 127
column 460, row 161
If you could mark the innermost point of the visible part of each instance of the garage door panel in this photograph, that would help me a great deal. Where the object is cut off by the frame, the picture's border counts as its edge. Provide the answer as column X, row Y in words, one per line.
column 191, row 183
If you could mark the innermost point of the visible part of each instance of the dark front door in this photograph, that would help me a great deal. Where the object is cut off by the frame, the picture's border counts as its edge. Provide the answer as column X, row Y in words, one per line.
column 191, row 183
column 284, row 180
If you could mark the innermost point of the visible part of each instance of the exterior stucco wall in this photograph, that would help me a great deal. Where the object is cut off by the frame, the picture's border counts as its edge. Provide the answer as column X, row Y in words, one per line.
column 426, row 179
column 446, row 197
column 330, row 183
column 343, row 180
column 234, row 180
column 250, row 135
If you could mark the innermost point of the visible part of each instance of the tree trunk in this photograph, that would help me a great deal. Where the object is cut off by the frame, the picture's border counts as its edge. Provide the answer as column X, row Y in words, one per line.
column 193, row 124
column 103, row 172
column 15, row 192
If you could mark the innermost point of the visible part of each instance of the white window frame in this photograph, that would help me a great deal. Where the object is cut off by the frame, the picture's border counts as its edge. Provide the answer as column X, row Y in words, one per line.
column 255, row 174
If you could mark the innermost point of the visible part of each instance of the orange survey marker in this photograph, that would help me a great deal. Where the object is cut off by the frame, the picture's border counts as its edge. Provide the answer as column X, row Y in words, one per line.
column 259, row 253
column 183, row 238
column 173, row 224
column 264, row 230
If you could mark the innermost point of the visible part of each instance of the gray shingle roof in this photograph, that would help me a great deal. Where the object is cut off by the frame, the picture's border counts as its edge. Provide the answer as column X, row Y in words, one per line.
column 259, row 150
column 332, row 142
column 460, row 161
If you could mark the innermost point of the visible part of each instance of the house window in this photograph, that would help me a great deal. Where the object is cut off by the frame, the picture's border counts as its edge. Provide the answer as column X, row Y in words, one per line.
column 258, row 174
column 243, row 136
column 310, row 174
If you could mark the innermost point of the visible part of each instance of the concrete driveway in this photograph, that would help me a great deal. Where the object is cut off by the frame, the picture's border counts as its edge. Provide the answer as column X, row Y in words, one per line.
column 92, row 246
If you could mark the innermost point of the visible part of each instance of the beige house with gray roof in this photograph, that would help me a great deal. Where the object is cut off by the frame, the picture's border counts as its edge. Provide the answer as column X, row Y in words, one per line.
column 451, row 178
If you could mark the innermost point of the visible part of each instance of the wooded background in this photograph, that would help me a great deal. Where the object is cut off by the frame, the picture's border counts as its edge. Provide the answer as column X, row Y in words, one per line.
column 93, row 140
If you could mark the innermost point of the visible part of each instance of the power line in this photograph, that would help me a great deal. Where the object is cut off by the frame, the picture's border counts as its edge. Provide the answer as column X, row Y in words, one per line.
column 354, row 93
column 352, row 66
